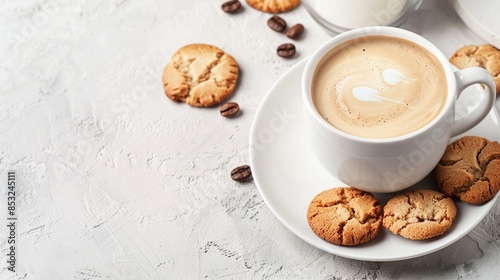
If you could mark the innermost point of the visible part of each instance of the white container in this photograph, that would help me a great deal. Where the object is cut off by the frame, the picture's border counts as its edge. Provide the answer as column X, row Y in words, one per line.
column 342, row 15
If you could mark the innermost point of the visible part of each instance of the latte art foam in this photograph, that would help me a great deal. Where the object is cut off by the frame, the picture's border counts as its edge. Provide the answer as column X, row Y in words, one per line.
column 379, row 87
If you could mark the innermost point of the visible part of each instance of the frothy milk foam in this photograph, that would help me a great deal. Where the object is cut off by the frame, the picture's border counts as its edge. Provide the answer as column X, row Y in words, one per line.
column 379, row 87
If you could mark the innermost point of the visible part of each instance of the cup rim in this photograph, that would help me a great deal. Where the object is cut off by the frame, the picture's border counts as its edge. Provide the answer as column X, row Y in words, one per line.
column 316, row 57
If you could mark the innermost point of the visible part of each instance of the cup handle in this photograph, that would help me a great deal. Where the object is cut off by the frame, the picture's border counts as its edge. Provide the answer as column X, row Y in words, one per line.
column 482, row 105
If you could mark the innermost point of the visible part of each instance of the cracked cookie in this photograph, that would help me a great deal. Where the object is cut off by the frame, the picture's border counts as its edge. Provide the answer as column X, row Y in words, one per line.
column 485, row 56
column 200, row 75
column 273, row 6
column 470, row 169
column 419, row 214
column 345, row 216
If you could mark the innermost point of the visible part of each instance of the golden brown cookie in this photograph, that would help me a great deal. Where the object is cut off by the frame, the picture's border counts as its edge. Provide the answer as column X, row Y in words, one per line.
column 345, row 216
column 200, row 75
column 419, row 214
column 486, row 56
column 273, row 6
column 470, row 169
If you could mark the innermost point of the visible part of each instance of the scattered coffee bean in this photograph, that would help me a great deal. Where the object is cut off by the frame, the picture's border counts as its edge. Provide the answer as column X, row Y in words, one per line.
column 231, row 6
column 286, row 50
column 295, row 31
column 241, row 173
column 277, row 24
column 229, row 109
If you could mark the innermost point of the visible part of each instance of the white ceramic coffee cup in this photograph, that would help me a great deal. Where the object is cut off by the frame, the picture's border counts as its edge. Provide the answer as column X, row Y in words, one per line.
column 391, row 164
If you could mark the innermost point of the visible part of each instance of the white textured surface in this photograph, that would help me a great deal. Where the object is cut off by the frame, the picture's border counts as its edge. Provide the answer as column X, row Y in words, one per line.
column 117, row 182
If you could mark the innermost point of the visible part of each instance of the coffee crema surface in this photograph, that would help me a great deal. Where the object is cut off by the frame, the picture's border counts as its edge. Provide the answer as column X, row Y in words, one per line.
column 379, row 87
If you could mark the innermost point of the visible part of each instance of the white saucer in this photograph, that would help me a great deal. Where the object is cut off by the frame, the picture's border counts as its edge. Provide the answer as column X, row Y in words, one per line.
column 288, row 177
column 482, row 17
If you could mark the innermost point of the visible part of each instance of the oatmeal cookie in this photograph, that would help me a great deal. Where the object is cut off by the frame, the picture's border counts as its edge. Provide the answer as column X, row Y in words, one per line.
column 345, row 216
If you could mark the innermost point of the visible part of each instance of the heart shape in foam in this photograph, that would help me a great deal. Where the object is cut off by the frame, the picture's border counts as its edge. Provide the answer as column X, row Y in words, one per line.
column 369, row 94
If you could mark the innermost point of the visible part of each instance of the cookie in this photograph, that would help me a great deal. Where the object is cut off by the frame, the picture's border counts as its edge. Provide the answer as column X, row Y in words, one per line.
column 273, row 6
column 200, row 75
column 345, row 216
column 486, row 56
column 470, row 169
column 419, row 214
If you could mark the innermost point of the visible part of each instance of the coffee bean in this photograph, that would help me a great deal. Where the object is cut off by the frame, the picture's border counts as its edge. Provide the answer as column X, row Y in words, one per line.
column 229, row 109
column 276, row 23
column 295, row 31
column 286, row 50
column 231, row 6
column 241, row 173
